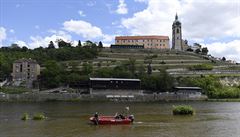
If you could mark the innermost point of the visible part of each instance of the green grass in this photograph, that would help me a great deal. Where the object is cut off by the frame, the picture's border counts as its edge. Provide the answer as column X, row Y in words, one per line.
column 183, row 110
column 14, row 90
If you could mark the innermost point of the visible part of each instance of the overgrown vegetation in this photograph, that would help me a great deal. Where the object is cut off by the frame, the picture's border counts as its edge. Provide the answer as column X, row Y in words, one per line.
column 39, row 116
column 212, row 86
column 14, row 90
column 25, row 117
column 182, row 110
column 65, row 52
column 201, row 67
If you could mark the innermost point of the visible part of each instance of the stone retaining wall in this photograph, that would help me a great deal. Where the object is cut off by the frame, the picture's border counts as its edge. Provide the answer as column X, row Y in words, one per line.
column 38, row 97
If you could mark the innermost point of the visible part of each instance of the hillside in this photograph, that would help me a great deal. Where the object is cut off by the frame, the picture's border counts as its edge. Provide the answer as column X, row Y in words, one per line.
column 175, row 62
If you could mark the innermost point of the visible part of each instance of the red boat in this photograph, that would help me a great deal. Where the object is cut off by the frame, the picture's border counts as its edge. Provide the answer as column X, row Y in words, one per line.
column 104, row 120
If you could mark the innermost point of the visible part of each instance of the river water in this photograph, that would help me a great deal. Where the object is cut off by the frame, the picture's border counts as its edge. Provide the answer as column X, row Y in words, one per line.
column 71, row 119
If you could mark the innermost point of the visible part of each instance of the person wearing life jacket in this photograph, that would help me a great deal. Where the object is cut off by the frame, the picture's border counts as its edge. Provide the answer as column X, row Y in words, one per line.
column 96, row 118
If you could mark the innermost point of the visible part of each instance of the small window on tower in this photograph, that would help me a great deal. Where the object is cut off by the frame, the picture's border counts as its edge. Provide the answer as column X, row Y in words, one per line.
column 177, row 30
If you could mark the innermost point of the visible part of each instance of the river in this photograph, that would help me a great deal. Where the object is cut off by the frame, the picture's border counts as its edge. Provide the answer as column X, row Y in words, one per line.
column 71, row 119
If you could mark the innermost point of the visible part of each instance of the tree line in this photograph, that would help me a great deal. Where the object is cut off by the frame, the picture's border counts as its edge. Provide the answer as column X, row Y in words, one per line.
column 65, row 51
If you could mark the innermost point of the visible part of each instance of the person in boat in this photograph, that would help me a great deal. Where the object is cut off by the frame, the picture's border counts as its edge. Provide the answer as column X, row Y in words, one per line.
column 116, row 116
column 121, row 116
column 96, row 118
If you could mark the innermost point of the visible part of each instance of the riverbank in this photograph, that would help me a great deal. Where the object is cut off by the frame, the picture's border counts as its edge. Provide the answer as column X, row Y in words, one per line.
column 224, row 100
column 41, row 97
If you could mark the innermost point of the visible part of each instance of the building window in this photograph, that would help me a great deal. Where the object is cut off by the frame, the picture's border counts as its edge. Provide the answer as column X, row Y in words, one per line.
column 21, row 68
column 177, row 30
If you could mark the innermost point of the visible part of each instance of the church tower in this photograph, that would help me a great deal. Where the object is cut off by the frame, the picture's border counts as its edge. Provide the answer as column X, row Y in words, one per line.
column 177, row 34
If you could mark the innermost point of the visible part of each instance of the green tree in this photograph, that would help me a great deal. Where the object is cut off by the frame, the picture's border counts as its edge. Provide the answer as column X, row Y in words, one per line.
column 104, row 73
column 87, row 68
column 205, row 51
column 131, row 64
column 223, row 59
column 51, row 75
column 100, row 45
column 197, row 51
column 79, row 43
column 149, row 69
column 165, row 81
column 63, row 44
column 51, row 45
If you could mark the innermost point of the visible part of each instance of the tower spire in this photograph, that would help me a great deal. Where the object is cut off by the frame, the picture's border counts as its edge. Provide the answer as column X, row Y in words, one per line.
column 176, row 17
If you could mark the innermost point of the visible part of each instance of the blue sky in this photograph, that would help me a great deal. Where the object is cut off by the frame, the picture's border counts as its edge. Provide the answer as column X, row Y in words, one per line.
column 33, row 23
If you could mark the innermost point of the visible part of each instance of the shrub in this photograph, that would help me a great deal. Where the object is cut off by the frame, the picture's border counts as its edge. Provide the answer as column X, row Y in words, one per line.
column 183, row 110
column 39, row 116
column 162, row 62
column 201, row 67
column 25, row 116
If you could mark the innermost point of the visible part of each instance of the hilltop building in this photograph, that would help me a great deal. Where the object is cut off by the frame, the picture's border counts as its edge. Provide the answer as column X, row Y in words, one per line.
column 155, row 41
column 177, row 42
column 25, row 71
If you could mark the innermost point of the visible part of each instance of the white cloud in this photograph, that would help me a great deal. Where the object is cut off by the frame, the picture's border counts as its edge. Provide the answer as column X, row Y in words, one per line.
column 91, row 3
column 200, row 19
column 81, row 13
column 108, row 38
column 155, row 19
column 211, row 19
column 82, row 28
column 3, row 35
column 229, row 50
column 145, row 1
column 37, row 41
column 21, row 43
column 122, row 7
column 12, row 31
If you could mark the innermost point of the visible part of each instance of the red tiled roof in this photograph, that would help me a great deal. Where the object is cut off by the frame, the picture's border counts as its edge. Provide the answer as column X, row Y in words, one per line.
column 141, row 37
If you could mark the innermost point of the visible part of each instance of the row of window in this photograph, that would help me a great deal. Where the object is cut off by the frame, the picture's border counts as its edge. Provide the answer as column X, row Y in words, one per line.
column 21, row 70
column 140, row 40
column 155, row 44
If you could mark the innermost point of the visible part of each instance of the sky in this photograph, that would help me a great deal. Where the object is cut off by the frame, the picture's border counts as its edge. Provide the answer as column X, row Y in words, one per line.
column 33, row 23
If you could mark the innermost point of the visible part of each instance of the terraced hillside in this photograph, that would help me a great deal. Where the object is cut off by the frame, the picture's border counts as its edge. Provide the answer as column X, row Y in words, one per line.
column 174, row 61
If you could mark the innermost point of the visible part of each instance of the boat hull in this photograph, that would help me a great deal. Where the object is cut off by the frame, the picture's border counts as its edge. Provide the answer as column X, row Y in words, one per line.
column 110, row 120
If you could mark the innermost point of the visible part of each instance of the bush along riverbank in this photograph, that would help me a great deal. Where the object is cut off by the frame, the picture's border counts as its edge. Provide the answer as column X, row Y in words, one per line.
column 212, row 87
column 25, row 117
column 183, row 110
column 37, row 116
